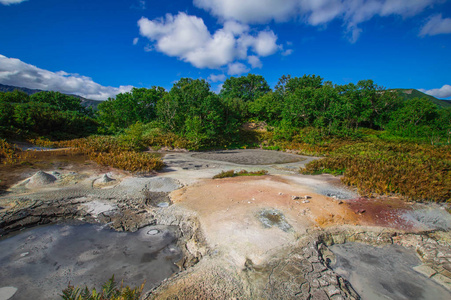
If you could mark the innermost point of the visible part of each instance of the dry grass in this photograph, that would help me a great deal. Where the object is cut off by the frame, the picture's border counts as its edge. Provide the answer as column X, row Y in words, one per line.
column 232, row 173
column 417, row 172
column 104, row 150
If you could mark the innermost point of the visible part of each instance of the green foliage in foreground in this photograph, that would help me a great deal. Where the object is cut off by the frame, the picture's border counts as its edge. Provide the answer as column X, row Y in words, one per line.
column 232, row 173
column 110, row 291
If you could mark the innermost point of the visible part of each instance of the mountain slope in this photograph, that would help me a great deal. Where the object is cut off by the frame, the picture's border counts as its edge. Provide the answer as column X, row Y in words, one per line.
column 412, row 93
column 85, row 102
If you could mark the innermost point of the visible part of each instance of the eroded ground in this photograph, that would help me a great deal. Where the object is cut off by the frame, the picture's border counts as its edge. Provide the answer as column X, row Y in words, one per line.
column 262, row 237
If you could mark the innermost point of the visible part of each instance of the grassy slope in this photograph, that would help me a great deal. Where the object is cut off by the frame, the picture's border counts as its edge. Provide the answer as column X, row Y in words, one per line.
column 412, row 93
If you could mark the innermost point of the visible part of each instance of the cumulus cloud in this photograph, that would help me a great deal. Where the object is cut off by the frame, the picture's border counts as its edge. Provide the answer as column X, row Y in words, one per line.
column 313, row 12
column 17, row 73
column 443, row 92
column 188, row 38
column 255, row 62
column 216, row 78
column 249, row 11
column 237, row 69
column 9, row 2
column 436, row 25
column 135, row 41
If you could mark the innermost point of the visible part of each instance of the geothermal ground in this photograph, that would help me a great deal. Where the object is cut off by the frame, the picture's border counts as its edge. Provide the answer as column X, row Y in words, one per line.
column 279, row 236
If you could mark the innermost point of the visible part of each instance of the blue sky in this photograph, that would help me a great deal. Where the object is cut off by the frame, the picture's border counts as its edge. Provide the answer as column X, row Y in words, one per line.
column 99, row 48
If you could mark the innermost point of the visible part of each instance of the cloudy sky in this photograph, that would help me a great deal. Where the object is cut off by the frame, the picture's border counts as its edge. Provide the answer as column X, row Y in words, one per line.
column 99, row 48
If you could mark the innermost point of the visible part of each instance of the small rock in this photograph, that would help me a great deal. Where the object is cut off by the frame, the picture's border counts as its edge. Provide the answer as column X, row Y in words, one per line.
column 360, row 211
column 280, row 193
column 24, row 254
column 295, row 197
column 305, row 201
column 307, row 197
column 340, row 202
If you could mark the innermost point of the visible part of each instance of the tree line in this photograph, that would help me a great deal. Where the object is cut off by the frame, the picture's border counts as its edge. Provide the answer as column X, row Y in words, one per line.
column 190, row 109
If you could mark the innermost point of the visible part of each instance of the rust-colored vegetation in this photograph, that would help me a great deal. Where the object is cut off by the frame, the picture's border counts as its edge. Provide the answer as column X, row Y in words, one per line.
column 417, row 172
column 104, row 150
column 232, row 173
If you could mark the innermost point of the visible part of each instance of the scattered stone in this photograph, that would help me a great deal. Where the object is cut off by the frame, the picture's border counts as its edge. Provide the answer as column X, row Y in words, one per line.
column 425, row 270
column 360, row 211
column 280, row 193
column 24, row 254
column 307, row 197
column 305, row 201
column 7, row 292
column 295, row 198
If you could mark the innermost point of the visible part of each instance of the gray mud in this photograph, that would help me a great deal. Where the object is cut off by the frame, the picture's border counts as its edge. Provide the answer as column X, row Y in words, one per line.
column 250, row 157
column 40, row 262
column 384, row 272
column 430, row 218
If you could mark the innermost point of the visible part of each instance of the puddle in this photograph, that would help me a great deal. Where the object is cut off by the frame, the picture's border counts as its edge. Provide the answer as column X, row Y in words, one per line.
column 384, row 272
column 40, row 262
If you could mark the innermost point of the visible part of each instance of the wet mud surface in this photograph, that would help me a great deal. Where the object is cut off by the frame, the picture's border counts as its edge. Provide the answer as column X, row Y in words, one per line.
column 43, row 260
column 250, row 157
column 385, row 272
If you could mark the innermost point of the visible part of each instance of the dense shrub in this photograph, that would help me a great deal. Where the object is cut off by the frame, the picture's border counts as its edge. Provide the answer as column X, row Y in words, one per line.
column 418, row 172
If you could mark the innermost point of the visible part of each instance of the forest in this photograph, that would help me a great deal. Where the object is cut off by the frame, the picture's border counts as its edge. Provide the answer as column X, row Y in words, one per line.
column 381, row 142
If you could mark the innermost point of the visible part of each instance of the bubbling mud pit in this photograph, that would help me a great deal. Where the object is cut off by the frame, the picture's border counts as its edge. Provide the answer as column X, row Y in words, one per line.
column 266, row 237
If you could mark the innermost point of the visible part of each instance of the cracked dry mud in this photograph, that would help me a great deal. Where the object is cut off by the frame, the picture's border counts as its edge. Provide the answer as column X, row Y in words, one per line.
column 265, row 237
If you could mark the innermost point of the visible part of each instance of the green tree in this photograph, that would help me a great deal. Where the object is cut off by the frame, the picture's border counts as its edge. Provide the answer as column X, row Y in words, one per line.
column 126, row 109
column 6, row 113
column 248, row 88
column 192, row 110
column 15, row 96
column 59, row 101
column 417, row 118
column 267, row 107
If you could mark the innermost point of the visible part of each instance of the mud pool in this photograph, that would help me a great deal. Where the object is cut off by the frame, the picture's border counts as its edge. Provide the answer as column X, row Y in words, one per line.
column 384, row 272
column 40, row 262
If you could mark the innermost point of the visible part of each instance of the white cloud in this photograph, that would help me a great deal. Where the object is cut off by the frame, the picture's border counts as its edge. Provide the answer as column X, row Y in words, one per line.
column 436, row 25
column 188, row 38
column 287, row 52
column 249, row 11
column 443, row 92
column 17, row 73
column 135, row 41
column 237, row 69
column 9, row 2
column 255, row 62
column 216, row 78
column 313, row 12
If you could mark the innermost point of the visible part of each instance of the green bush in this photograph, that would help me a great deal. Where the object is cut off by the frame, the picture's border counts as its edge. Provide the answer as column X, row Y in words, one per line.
column 110, row 291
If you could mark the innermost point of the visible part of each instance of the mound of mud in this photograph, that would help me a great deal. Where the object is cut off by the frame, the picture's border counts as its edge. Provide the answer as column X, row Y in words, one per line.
column 39, row 179
column 105, row 179
column 250, row 157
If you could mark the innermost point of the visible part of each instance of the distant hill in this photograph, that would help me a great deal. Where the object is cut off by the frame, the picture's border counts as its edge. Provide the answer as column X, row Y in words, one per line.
column 85, row 102
column 412, row 93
